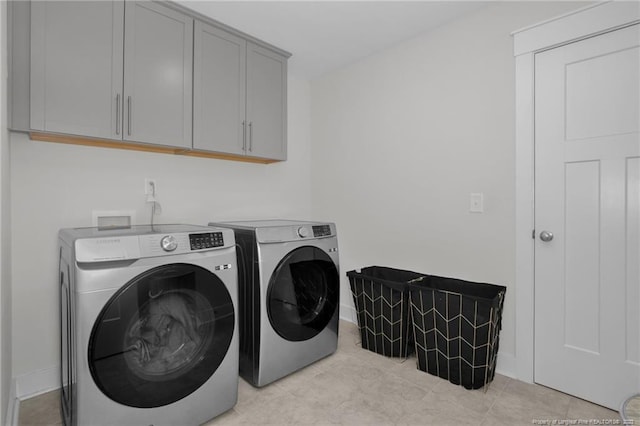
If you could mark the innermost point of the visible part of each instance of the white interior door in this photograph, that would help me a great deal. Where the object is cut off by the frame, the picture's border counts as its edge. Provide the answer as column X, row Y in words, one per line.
column 587, row 194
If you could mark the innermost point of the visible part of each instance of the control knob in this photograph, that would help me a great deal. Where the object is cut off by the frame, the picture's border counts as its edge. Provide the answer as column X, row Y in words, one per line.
column 169, row 243
column 303, row 232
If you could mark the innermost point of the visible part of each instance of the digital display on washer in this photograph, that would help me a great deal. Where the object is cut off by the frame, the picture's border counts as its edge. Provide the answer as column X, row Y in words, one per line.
column 321, row 230
column 206, row 240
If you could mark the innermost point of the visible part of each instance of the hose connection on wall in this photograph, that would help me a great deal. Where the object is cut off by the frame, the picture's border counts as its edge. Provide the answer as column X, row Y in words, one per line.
column 150, row 190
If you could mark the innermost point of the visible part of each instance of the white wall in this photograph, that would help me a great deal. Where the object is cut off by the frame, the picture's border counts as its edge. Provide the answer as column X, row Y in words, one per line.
column 57, row 185
column 389, row 148
column 401, row 139
column 5, row 228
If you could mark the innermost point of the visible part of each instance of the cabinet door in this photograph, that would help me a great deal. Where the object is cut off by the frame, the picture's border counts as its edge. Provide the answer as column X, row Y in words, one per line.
column 76, row 67
column 266, row 103
column 219, row 90
column 158, row 75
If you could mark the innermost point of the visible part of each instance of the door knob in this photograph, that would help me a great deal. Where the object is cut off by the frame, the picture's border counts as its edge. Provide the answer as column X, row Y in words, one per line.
column 546, row 236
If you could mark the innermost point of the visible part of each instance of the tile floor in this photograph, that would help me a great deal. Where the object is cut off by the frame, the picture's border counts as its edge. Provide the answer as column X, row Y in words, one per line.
column 357, row 387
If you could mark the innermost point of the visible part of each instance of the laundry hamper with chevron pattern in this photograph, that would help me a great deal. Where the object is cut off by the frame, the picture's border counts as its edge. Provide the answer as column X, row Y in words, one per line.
column 456, row 327
column 381, row 299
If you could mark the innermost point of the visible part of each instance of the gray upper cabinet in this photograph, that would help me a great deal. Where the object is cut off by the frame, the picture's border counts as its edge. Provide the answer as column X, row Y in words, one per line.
column 219, row 90
column 146, row 72
column 266, row 103
column 239, row 96
column 76, row 67
column 95, row 74
column 158, row 46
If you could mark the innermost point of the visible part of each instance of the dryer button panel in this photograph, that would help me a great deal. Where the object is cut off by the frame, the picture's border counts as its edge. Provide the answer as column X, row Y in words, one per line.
column 206, row 240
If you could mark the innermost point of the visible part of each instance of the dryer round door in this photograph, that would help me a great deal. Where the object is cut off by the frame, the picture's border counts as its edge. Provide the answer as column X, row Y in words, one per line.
column 161, row 336
column 303, row 294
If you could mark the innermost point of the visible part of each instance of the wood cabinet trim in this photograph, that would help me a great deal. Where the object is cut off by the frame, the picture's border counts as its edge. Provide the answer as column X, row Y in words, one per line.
column 131, row 146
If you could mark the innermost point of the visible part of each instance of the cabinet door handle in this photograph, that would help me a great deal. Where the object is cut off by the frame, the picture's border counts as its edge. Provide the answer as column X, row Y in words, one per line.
column 118, row 114
column 244, row 135
column 129, row 115
column 250, row 136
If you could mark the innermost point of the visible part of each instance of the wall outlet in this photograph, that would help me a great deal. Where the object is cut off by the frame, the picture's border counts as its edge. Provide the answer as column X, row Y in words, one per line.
column 150, row 186
column 476, row 202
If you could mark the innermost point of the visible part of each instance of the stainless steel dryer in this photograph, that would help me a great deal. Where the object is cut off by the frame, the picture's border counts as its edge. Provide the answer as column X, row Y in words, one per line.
column 289, row 295
column 149, row 330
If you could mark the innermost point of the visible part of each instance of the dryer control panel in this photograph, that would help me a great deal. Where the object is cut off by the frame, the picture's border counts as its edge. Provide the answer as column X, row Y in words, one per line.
column 296, row 231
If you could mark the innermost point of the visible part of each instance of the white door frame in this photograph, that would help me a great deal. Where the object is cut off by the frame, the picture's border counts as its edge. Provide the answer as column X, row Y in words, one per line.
column 574, row 26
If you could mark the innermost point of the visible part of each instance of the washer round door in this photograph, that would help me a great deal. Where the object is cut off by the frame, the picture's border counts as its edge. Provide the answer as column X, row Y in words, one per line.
column 161, row 336
column 303, row 294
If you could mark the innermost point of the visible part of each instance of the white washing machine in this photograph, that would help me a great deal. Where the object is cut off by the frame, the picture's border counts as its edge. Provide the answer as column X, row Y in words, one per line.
column 289, row 295
column 149, row 330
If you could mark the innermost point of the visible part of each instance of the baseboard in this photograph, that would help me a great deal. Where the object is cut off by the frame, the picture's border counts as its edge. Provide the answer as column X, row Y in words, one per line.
column 506, row 365
column 13, row 406
column 29, row 385
column 348, row 313
column 37, row 382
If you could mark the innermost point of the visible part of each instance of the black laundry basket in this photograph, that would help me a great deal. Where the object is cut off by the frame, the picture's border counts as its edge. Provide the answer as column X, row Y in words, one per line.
column 381, row 299
column 456, row 328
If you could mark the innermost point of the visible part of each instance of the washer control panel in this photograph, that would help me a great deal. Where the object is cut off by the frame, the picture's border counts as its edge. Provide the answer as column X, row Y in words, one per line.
column 206, row 240
column 93, row 245
column 321, row 230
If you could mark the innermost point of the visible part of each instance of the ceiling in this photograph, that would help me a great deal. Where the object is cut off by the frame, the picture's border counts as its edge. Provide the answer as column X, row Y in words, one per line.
column 326, row 35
